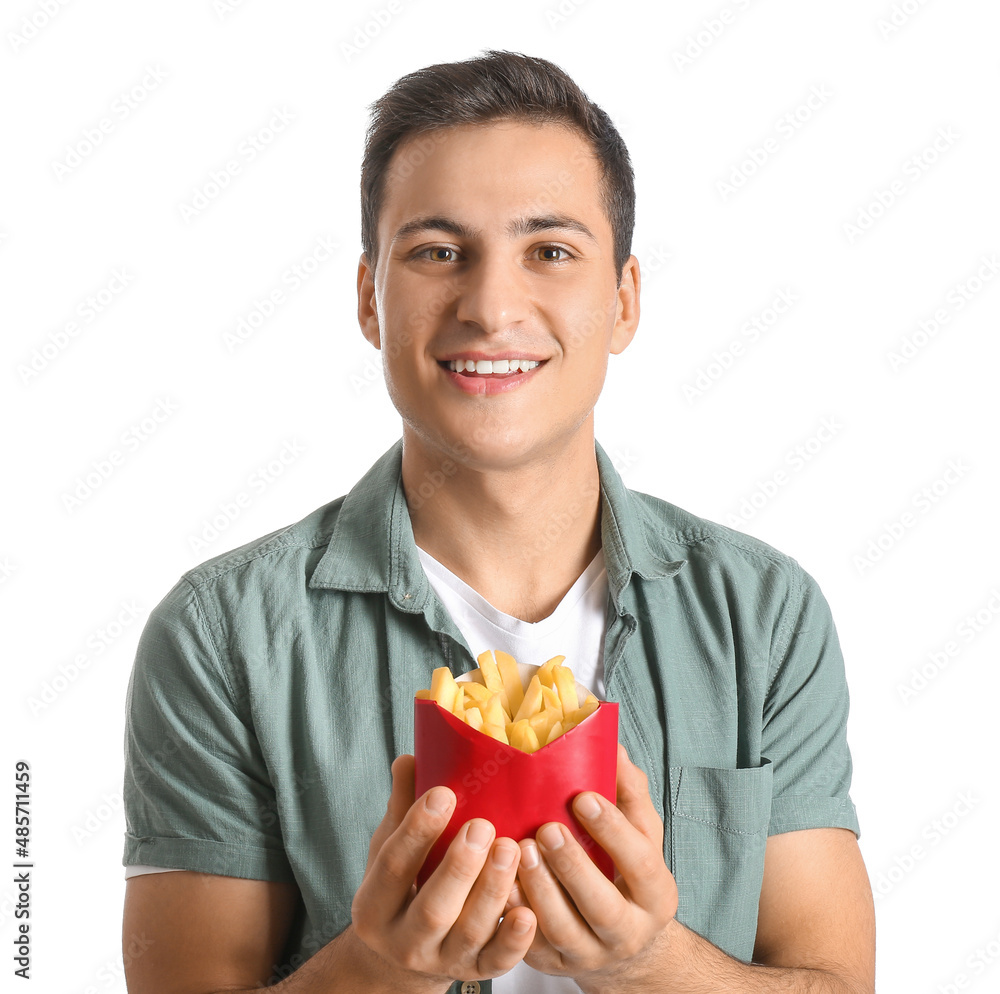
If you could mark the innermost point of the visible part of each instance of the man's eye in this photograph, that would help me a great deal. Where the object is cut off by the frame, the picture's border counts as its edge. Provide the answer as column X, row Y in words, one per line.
column 548, row 253
column 439, row 253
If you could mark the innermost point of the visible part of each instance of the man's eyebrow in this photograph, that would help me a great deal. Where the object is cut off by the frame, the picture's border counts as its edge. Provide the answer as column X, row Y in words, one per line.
column 436, row 222
column 519, row 226
column 546, row 222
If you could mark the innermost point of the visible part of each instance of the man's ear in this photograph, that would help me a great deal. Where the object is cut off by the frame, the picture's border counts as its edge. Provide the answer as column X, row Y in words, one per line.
column 627, row 318
column 367, row 311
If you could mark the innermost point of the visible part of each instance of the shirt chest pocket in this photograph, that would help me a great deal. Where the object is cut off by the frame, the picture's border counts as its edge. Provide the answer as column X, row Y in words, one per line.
column 717, row 835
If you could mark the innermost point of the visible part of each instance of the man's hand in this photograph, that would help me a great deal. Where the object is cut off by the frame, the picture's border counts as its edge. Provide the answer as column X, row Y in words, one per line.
column 815, row 932
column 447, row 930
column 588, row 927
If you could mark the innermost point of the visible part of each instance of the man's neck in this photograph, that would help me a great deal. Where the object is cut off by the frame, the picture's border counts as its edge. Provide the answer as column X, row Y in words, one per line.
column 520, row 536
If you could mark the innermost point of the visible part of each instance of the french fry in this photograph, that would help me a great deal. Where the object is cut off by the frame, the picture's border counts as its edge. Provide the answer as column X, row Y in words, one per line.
column 443, row 688
column 532, row 702
column 476, row 692
column 550, row 698
column 497, row 732
column 584, row 711
column 494, row 701
column 523, row 737
column 554, row 732
column 543, row 721
column 531, row 743
column 545, row 670
column 511, row 680
column 491, row 676
column 566, row 686
column 495, row 713
column 517, row 774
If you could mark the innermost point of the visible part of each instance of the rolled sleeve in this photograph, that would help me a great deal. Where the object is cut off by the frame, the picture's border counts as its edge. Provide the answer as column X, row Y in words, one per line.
column 197, row 791
column 804, row 731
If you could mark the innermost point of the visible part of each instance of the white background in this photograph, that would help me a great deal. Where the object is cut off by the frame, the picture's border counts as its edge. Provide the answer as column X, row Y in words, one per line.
column 307, row 384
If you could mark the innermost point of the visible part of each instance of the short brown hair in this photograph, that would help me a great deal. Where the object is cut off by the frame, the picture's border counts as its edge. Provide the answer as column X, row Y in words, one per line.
column 493, row 86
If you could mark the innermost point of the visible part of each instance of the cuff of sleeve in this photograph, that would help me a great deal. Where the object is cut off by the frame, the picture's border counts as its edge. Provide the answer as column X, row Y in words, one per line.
column 790, row 814
column 226, row 859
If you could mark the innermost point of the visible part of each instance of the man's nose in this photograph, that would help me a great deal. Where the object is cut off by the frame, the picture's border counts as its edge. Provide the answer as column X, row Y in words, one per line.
column 492, row 294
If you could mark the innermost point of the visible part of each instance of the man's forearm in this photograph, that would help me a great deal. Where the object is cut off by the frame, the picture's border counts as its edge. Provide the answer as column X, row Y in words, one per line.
column 685, row 963
column 345, row 965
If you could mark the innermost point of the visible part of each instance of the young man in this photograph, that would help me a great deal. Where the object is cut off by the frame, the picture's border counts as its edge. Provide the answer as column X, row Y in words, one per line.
column 273, row 686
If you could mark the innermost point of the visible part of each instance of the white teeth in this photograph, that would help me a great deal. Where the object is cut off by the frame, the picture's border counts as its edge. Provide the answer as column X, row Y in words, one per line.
column 486, row 366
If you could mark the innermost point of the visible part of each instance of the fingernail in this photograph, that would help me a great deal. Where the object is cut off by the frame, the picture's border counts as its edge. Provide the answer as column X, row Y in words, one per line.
column 521, row 925
column 587, row 806
column 479, row 834
column 550, row 837
column 503, row 855
column 438, row 802
column 529, row 856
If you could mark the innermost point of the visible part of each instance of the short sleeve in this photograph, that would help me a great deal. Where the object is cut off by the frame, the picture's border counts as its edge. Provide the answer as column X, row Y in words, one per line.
column 805, row 718
column 197, row 793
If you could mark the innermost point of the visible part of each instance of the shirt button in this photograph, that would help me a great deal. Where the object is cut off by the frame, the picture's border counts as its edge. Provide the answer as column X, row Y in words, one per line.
column 470, row 987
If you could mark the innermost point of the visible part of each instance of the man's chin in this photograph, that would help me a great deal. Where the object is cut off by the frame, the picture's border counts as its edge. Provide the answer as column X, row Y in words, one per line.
column 476, row 448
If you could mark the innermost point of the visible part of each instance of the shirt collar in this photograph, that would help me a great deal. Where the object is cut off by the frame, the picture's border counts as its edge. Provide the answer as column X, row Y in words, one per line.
column 371, row 548
column 630, row 533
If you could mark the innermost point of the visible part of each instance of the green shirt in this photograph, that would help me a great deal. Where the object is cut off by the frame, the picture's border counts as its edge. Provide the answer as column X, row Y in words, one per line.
column 273, row 687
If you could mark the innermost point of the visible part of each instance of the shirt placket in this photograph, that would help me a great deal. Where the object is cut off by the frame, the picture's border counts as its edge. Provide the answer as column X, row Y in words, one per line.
column 628, row 682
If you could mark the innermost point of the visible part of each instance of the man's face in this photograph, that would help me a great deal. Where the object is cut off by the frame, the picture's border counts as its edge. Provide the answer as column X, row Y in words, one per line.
column 494, row 245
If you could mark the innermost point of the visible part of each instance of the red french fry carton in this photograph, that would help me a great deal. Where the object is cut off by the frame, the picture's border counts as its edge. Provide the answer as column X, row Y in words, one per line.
column 517, row 791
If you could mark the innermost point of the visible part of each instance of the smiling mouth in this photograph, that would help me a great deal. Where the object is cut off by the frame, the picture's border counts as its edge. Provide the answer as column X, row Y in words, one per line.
column 487, row 368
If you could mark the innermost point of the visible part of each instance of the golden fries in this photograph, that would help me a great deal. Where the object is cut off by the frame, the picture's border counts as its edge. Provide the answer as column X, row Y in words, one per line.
column 496, row 703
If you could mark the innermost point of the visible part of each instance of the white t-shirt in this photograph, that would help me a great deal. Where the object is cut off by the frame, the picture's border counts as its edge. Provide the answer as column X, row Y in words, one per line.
column 575, row 629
